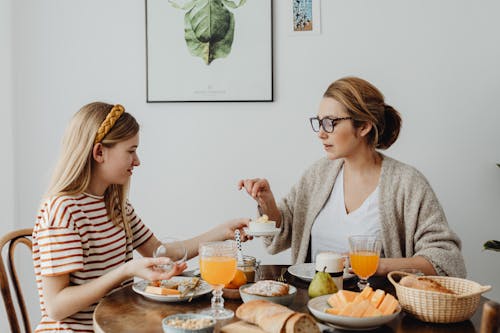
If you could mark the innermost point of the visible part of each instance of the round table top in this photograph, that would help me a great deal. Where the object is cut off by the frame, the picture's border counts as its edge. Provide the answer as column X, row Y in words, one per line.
column 126, row 311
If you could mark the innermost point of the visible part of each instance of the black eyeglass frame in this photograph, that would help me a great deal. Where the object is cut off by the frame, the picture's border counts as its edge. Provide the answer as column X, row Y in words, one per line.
column 321, row 122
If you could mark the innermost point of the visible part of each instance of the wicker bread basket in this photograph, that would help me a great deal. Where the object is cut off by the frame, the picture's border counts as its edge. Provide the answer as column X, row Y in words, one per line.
column 436, row 307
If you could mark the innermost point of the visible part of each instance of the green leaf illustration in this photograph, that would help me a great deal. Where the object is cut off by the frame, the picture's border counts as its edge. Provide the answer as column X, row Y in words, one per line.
column 182, row 4
column 492, row 245
column 234, row 3
column 209, row 30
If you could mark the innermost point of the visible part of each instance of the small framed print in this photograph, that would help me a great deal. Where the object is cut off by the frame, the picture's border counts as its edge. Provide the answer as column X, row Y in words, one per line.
column 304, row 17
column 209, row 51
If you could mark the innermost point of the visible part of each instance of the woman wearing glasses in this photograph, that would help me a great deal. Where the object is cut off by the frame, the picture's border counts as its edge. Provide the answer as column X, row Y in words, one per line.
column 356, row 190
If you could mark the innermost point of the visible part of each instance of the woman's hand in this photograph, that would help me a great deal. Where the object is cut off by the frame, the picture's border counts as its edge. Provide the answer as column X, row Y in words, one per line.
column 146, row 268
column 257, row 188
column 260, row 190
column 228, row 228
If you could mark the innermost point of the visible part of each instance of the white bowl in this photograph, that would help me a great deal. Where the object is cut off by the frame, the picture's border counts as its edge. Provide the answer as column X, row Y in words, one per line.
column 283, row 300
column 184, row 316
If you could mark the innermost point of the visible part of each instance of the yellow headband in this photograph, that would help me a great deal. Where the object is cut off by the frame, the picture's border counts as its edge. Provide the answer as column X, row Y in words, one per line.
column 109, row 122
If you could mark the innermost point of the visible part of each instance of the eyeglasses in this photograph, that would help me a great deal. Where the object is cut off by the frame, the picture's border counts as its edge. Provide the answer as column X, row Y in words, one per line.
column 328, row 124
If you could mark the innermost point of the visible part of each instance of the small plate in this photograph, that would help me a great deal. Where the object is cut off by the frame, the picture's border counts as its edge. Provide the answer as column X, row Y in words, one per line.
column 262, row 233
column 306, row 272
column 318, row 305
column 202, row 289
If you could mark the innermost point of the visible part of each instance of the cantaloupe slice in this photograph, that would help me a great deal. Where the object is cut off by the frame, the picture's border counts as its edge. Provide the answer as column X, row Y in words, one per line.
column 388, row 305
column 360, row 308
column 334, row 301
column 347, row 310
column 377, row 297
column 372, row 311
column 161, row 291
column 346, row 296
column 333, row 311
column 364, row 295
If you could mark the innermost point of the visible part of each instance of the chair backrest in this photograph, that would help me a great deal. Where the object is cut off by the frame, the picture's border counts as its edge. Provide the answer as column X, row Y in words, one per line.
column 12, row 239
column 490, row 320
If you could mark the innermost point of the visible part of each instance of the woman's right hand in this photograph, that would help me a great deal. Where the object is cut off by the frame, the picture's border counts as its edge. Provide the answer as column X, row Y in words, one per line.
column 146, row 268
column 260, row 190
column 257, row 188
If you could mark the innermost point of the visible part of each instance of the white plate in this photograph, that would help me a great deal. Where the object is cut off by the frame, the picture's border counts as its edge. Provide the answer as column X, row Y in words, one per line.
column 306, row 272
column 318, row 305
column 262, row 233
column 202, row 289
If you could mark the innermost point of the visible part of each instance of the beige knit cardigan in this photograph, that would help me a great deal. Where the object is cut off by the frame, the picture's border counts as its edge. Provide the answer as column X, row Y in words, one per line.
column 413, row 222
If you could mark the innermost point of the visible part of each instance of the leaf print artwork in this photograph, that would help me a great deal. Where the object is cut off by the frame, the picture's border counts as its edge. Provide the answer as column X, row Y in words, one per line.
column 208, row 27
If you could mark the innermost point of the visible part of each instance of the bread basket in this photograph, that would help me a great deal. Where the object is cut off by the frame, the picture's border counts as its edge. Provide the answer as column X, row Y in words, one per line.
column 436, row 307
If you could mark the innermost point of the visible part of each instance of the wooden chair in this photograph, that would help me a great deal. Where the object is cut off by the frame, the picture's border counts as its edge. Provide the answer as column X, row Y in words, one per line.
column 13, row 238
column 490, row 320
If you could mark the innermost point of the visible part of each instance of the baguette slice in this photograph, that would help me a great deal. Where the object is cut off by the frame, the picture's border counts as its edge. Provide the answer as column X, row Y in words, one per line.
column 301, row 323
column 269, row 316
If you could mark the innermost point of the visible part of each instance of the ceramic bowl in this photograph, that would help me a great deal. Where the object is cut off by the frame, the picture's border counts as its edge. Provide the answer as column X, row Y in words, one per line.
column 186, row 316
column 283, row 300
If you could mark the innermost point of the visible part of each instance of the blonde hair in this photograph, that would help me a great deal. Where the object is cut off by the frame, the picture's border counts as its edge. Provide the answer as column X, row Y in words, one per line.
column 73, row 170
column 365, row 103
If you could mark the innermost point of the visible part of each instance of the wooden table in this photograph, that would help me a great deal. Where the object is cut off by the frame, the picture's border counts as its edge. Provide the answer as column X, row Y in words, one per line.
column 126, row 311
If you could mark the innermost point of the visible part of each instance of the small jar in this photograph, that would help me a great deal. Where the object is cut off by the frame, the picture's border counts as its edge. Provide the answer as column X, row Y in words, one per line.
column 249, row 266
column 332, row 263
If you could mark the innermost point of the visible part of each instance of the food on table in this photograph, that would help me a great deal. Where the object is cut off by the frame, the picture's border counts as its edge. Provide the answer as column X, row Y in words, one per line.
column 368, row 303
column 273, row 317
column 189, row 323
column 424, row 283
column 322, row 284
column 238, row 280
column 169, row 287
column 162, row 291
column 262, row 224
column 268, row 288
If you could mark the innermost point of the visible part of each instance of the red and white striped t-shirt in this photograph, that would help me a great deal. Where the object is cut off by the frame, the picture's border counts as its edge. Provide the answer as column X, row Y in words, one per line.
column 74, row 235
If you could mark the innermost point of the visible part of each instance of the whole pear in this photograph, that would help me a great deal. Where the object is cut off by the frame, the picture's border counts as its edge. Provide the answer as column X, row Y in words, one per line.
column 322, row 284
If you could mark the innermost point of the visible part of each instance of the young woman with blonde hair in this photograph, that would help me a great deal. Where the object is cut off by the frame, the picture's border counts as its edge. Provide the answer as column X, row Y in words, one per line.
column 86, row 230
column 356, row 190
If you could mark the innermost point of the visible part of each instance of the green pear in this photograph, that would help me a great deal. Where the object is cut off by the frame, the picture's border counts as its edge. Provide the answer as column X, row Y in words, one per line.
column 322, row 284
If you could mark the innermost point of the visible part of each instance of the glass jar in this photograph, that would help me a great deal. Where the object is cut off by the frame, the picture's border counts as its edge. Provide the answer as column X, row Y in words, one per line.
column 250, row 267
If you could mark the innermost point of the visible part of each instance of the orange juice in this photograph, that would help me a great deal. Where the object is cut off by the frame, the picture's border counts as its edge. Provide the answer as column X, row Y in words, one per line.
column 217, row 270
column 364, row 263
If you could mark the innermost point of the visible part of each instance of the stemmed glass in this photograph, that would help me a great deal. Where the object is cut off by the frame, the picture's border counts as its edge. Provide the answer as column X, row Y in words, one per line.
column 364, row 255
column 172, row 248
column 218, row 262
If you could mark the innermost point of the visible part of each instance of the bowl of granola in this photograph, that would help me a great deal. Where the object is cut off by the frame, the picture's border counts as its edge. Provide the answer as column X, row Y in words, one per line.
column 188, row 323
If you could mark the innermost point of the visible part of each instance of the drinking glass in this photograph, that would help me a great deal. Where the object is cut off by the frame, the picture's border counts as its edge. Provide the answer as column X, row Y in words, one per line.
column 364, row 254
column 218, row 262
column 172, row 248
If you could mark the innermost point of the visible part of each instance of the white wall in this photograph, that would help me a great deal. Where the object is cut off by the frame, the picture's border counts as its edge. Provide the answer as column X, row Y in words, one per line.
column 6, row 113
column 6, row 133
column 437, row 62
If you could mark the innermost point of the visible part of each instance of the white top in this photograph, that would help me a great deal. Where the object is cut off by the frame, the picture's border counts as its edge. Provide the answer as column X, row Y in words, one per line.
column 333, row 225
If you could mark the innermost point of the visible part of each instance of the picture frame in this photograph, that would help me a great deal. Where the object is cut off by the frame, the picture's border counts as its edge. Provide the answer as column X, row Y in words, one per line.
column 194, row 55
column 304, row 17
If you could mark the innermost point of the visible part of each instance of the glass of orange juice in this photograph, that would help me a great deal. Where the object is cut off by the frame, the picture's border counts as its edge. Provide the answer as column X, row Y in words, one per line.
column 218, row 262
column 364, row 254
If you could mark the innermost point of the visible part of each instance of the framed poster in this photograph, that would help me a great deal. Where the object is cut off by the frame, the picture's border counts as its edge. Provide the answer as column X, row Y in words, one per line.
column 209, row 51
column 304, row 17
